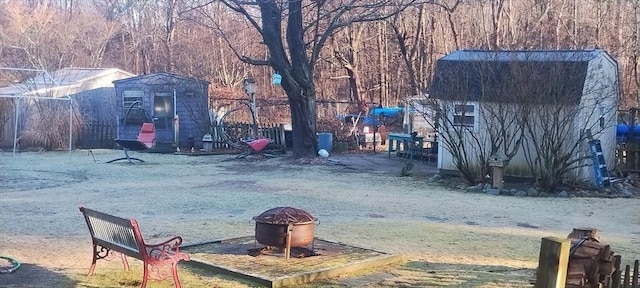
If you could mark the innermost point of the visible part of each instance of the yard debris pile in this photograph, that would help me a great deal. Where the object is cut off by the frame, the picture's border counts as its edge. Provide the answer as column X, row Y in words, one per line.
column 590, row 262
column 629, row 185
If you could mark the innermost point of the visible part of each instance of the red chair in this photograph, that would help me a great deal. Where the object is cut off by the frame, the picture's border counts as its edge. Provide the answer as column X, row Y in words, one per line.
column 146, row 140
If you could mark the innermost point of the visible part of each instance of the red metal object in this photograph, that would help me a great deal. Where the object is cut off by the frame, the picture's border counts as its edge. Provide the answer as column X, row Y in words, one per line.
column 259, row 144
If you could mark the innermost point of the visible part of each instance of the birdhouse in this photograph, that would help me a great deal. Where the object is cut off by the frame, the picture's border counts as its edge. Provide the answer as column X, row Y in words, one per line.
column 249, row 86
column 276, row 79
column 497, row 160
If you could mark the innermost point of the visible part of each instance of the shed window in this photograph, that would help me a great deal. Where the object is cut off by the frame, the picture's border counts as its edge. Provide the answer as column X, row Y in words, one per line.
column 464, row 115
column 133, row 113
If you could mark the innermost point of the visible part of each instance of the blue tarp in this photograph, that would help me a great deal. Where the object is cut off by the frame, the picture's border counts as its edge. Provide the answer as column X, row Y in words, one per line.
column 624, row 132
column 388, row 111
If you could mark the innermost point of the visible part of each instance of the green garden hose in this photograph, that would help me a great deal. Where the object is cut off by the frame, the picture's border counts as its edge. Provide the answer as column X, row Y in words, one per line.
column 14, row 265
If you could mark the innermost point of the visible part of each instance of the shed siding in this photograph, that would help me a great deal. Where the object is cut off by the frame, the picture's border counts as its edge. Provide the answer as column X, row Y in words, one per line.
column 191, row 105
column 598, row 93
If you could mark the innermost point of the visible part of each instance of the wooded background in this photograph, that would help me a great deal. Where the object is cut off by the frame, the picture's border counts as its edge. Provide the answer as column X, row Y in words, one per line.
column 385, row 60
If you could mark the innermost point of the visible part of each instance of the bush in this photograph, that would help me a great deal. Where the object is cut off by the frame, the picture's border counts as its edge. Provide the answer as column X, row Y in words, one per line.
column 47, row 125
column 341, row 131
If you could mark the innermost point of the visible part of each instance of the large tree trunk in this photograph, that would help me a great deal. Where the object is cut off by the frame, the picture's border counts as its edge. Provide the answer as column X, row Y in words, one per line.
column 303, row 121
column 297, row 76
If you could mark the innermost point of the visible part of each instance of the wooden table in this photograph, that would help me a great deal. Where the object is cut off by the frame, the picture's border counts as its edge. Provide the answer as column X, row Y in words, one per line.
column 394, row 140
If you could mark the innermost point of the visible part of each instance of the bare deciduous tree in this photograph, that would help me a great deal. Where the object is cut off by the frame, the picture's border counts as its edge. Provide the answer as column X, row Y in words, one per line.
column 308, row 27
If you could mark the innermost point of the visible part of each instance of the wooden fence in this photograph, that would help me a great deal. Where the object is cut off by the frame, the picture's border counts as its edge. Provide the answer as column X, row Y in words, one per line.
column 626, row 278
column 98, row 134
column 231, row 135
column 628, row 157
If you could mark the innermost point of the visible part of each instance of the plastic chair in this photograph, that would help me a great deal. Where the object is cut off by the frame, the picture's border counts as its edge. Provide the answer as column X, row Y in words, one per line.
column 146, row 140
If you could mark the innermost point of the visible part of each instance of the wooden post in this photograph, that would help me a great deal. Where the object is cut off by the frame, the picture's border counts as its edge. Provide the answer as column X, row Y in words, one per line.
column 498, row 177
column 627, row 277
column 617, row 275
column 636, row 272
column 287, row 249
column 553, row 263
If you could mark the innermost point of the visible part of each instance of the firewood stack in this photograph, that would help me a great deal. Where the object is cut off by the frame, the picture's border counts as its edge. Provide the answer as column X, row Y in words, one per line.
column 590, row 262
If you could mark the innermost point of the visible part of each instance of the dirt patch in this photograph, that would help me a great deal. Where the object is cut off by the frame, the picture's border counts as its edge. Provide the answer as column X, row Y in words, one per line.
column 213, row 197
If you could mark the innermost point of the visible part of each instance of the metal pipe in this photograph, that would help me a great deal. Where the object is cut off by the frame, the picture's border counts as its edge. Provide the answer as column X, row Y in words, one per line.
column 70, row 125
column 15, row 127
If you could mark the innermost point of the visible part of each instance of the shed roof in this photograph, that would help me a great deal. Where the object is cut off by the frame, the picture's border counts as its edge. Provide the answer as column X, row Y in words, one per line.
column 556, row 76
column 59, row 79
column 159, row 79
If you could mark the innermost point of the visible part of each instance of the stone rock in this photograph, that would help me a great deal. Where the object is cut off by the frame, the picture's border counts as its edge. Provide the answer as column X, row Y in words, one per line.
column 475, row 189
column 543, row 194
column 520, row 194
column 563, row 194
column 532, row 192
column 626, row 193
column 492, row 191
column 435, row 178
column 508, row 192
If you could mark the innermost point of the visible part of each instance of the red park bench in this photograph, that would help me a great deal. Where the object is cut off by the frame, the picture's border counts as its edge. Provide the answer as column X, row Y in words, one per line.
column 114, row 234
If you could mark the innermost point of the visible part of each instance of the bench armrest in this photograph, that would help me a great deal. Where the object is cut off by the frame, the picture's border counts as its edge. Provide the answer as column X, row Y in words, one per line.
column 169, row 249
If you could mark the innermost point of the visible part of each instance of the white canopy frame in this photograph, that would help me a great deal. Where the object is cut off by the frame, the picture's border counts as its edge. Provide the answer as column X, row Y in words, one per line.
column 24, row 94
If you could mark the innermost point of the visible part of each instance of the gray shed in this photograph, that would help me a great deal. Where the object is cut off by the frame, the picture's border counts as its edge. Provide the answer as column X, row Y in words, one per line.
column 177, row 105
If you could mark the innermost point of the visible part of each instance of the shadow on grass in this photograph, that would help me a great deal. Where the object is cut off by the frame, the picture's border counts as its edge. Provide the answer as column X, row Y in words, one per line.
column 409, row 274
column 425, row 274
column 34, row 276
column 190, row 276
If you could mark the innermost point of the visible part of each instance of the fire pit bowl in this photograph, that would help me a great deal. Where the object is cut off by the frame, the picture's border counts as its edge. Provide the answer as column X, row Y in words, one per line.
column 272, row 225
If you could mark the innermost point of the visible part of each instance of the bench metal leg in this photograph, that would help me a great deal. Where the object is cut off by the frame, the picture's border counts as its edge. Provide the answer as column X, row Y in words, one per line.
column 107, row 254
column 159, row 274
column 145, row 276
column 174, row 269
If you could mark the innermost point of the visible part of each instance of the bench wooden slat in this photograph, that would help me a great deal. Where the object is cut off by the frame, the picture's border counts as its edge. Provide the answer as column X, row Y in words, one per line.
column 113, row 233
column 110, row 218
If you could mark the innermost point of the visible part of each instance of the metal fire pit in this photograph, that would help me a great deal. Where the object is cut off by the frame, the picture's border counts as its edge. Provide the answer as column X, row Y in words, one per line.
column 285, row 227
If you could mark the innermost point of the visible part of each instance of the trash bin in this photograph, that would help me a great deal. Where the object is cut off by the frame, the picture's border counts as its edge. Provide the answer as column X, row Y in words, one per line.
column 325, row 141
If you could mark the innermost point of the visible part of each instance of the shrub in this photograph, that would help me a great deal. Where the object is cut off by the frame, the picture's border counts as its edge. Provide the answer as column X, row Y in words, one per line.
column 341, row 131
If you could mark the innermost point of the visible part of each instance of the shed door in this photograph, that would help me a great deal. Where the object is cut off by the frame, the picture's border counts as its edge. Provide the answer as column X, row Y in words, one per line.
column 163, row 110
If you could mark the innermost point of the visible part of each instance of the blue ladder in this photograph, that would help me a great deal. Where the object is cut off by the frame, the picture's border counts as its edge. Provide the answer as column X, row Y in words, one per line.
column 599, row 165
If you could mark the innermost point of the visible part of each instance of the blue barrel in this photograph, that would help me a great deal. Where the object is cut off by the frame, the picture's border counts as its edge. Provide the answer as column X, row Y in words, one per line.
column 325, row 141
